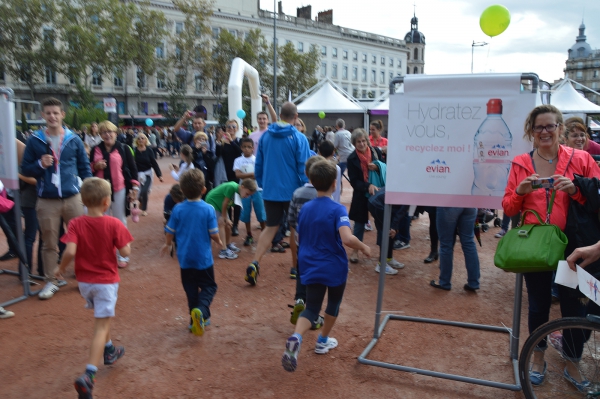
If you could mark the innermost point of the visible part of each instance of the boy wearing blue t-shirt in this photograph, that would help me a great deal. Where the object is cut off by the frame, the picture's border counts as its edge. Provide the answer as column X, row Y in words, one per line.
column 194, row 223
column 322, row 261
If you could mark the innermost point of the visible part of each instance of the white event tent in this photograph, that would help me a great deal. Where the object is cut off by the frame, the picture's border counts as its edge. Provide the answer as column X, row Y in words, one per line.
column 569, row 101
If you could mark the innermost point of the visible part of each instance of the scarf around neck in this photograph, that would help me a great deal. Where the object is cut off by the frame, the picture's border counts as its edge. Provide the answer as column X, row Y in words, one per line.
column 365, row 159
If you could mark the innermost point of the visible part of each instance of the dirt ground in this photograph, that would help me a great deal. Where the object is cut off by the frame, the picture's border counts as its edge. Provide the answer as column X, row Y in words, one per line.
column 45, row 346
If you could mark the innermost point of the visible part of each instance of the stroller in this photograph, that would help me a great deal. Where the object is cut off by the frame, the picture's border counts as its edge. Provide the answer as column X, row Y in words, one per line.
column 485, row 215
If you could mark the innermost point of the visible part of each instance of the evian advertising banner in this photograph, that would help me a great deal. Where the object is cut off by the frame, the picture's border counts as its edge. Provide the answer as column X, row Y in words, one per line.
column 451, row 139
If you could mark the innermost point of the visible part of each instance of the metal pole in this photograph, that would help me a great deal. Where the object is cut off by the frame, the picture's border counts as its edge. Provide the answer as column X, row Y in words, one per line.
column 472, row 51
column 275, row 55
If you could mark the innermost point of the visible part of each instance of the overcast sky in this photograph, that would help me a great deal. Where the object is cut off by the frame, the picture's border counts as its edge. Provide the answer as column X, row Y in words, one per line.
column 537, row 40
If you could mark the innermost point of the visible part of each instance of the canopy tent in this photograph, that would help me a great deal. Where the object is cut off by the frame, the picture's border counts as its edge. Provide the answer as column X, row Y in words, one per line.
column 328, row 97
column 569, row 101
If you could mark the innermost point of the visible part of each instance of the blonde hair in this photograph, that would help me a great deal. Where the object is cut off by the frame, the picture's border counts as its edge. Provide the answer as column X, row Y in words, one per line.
column 234, row 121
column 200, row 135
column 140, row 135
column 94, row 190
column 106, row 126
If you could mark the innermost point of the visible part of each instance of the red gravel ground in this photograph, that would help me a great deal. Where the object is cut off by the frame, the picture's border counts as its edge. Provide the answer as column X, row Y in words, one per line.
column 45, row 346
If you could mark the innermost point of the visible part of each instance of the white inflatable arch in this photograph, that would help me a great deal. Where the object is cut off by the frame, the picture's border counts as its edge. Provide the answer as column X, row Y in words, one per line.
column 239, row 69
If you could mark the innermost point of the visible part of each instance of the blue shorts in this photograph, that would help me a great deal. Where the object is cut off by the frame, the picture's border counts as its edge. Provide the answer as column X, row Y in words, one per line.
column 259, row 208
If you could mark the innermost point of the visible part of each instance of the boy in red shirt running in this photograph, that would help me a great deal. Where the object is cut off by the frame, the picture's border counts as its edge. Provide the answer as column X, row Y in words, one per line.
column 92, row 240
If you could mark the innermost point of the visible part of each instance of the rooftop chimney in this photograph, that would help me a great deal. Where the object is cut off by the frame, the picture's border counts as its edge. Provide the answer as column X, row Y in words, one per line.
column 304, row 12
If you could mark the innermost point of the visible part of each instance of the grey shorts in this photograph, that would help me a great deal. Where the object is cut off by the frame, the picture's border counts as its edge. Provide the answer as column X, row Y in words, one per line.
column 100, row 297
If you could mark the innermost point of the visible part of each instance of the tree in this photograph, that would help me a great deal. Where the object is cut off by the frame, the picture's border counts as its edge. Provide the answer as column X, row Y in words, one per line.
column 24, row 124
column 27, row 45
column 295, row 71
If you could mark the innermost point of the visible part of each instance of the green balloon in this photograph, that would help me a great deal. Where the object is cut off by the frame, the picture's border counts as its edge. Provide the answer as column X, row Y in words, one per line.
column 321, row 114
column 494, row 20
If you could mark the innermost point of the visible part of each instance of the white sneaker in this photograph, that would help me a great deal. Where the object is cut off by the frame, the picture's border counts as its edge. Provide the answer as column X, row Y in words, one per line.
column 395, row 264
column 388, row 269
column 227, row 254
column 322, row 348
column 48, row 291
column 368, row 226
column 5, row 314
column 500, row 234
column 233, row 248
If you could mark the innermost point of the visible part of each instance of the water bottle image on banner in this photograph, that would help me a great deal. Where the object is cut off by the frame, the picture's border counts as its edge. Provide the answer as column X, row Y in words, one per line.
column 492, row 152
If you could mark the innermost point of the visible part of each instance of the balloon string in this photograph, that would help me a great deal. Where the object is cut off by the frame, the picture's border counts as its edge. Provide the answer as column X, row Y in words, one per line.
column 488, row 55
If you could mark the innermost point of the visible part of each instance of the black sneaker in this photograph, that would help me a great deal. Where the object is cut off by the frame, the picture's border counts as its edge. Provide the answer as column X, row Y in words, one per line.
column 248, row 241
column 8, row 256
column 293, row 273
column 110, row 357
column 84, row 386
column 317, row 324
column 252, row 272
column 234, row 231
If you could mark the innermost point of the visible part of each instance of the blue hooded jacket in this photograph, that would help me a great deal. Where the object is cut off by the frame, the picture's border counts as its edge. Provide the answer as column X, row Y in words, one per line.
column 280, row 161
column 73, row 164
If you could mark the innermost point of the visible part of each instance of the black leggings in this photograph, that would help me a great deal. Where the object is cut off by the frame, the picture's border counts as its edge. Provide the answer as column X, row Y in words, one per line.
column 315, row 293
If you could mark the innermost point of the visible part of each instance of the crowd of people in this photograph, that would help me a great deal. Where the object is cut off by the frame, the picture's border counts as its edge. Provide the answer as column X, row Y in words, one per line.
column 79, row 188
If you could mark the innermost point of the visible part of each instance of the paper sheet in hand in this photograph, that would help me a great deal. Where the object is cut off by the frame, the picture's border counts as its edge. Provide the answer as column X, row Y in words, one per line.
column 237, row 200
column 565, row 276
column 588, row 285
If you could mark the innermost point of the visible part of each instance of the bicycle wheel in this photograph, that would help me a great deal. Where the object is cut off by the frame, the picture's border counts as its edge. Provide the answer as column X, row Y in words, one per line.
column 555, row 384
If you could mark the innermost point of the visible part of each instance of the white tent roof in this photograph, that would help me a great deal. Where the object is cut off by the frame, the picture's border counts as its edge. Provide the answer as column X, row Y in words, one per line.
column 328, row 99
column 569, row 101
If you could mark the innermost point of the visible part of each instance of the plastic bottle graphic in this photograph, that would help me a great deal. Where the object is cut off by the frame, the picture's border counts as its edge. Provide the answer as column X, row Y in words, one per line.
column 492, row 152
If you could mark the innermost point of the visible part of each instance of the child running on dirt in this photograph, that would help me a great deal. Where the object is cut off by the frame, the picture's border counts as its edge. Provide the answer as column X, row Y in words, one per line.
column 194, row 223
column 323, row 226
column 92, row 240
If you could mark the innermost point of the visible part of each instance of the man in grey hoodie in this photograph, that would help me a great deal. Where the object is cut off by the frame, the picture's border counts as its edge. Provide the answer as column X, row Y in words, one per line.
column 279, row 170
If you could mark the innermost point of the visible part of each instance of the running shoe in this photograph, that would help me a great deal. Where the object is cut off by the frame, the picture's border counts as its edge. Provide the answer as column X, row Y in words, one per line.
column 84, row 386
column 298, row 308
column 323, row 347
column 289, row 360
column 197, row 322
column 252, row 272
column 248, row 241
column 233, row 248
column 395, row 264
column 113, row 354
column 388, row 269
column 227, row 254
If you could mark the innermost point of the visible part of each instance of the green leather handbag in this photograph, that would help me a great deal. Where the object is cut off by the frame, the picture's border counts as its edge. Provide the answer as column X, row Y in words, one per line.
column 531, row 247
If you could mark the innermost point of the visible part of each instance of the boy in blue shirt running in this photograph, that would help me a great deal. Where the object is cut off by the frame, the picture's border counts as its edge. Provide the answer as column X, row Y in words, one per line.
column 194, row 223
column 323, row 230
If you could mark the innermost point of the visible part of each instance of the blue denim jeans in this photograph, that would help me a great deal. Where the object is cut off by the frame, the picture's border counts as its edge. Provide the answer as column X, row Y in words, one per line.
column 448, row 221
column 359, row 230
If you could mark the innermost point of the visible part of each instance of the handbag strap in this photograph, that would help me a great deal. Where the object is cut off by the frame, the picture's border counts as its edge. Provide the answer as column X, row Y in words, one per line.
column 537, row 215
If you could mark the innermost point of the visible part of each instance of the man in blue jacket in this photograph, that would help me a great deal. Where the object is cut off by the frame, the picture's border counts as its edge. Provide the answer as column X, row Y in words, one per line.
column 279, row 170
column 57, row 159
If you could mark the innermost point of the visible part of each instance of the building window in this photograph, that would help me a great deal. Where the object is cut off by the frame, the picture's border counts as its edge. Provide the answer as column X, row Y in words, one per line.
column 323, row 50
column 407, row 70
column 216, row 88
column 180, row 81
column 416, row 70
column 140, row 78
column 382, row 77
column 323, row 69
column 198, row 82
column 373, row 76
column 345, row 88
column 96, row 77
column 373, row 59
column 355, row 92
column 178, row 54
column 364, row 94
column 345, row 54
column 354, row 73
column 160, row 51
column 579, row 75
column 178, row 27
column 334, row 52
column 51, row 76
column 162, row 107
column 118, row 78
column 345, row 72
column 580, row 65
column 416, row 57
column 391, row 61
column 300, row 47
column 215, row 33
column 334, row 70
column 382, row 60
column 580, row 51
column 364, row 57
column 233, row 32
column 2, row 72
column 161, row 80
column 354, row 56
column 363, row 75
column 288, row 42
column 595, row 74
column 594, row 85
column 391, row 76
column 49, row 36
column 399, row 64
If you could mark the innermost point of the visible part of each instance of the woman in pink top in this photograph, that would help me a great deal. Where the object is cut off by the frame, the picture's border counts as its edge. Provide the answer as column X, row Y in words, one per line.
column 375, row 137
column 113, row 162
column 577, row 137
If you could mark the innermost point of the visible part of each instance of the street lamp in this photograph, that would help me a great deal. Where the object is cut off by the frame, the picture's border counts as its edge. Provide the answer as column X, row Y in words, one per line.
column 475, row 44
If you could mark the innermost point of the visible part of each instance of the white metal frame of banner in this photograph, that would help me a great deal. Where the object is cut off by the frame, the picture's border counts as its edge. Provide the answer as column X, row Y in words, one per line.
column 18, row 241
column 380, row 325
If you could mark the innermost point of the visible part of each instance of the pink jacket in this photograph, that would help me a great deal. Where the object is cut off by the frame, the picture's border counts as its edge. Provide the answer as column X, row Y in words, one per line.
column 582, row 164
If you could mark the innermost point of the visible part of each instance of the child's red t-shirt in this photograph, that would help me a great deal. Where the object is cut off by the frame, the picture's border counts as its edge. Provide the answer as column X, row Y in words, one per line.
column 97, row 239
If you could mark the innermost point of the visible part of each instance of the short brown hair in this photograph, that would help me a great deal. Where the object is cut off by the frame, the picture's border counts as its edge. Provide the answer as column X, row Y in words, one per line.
column 310, row 162
column 94, row 190
column 192, row 183
column 250, row 184
column 358, row 133
column 52, row 102
column 176, row 193
column 322, row 174
column 539, row 110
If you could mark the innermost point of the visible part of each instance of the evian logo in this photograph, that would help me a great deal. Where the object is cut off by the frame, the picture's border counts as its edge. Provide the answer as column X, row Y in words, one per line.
column 437, row 166
column 498, row 151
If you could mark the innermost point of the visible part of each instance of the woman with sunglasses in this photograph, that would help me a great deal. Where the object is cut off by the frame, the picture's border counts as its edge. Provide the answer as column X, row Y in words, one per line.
column 544, row 127
column 229, row 149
